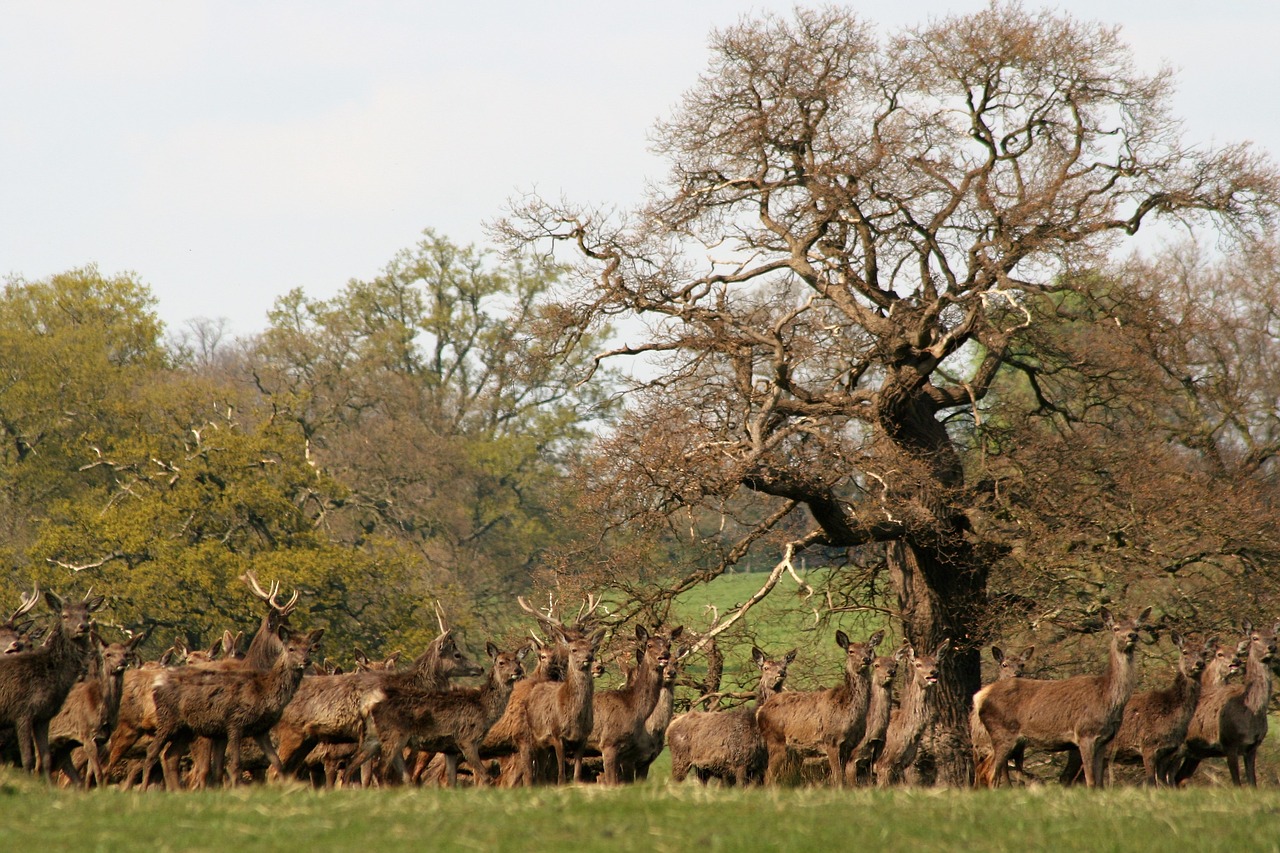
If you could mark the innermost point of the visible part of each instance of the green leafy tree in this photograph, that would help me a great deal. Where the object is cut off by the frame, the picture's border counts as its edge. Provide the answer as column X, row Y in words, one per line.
column 431, row 394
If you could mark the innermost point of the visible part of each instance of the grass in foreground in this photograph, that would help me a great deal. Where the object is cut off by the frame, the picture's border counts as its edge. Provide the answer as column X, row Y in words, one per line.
column 657, row 817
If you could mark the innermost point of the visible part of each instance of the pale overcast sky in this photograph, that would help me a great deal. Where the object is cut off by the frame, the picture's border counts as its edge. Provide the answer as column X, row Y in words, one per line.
column 229, row 151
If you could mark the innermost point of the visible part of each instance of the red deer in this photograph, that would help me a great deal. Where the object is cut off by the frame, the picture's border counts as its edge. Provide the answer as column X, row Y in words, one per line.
column 902, row 739
column 1007, row 666
column 862, row 761
column 618, row 715
column 14, row 635
column 558, row 714
column 332, row 709
column 228, row 705
column 828, row 721
column 1155, row 721
column 651, row 738
column 136, row 717
column 726, row 745
column 452, row 722
column 1232, row 719
column 137, row 706
column 325, row 764
column 504, row 739
column 33, row 684
column 1084, row 711
column 90, row 711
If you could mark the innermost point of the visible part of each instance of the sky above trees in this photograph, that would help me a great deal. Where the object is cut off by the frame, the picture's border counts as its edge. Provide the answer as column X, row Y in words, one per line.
column 229, row 152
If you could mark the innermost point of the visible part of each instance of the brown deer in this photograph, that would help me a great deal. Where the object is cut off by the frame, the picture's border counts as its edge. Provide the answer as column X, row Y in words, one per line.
column 558, row 715
column 1084, row 711
column 332, row 709
column 90, row 711
column 861, row 764
column 1007, row 666
column 14, row 635
column 1155, row 721
column 228, row 705
column 136, row 716
column 828, row 721
column 651, row 739
column 34, row 684
column 902, row 739
column 1232, row 719
column 726, row 745
column 618, row 715
column 452, row 722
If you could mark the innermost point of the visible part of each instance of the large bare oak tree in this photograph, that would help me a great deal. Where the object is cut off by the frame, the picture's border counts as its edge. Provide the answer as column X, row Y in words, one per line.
column 841, row 255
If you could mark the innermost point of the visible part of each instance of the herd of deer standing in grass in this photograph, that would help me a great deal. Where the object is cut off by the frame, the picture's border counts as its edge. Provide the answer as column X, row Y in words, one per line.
column 74, row 708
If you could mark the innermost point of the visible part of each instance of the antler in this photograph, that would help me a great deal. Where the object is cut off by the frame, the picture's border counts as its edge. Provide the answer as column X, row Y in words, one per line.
column 270, row 597
column 440, row 618
column 546, row 619
column 27, row 603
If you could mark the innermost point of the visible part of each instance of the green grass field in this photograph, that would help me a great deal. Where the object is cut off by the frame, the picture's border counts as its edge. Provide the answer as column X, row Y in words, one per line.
column 655, row 816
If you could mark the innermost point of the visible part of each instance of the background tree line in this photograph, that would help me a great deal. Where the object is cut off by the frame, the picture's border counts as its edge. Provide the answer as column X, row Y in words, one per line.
column 397, row 444
column 878, row 315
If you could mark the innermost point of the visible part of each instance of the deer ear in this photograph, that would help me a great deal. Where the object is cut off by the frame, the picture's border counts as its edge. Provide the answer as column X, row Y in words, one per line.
column 942, row 648
column 1211, row 644
column 676, row 632
column 1028, row 652
column 1144, row 616
column 51, row 598
column 1177, row 638
column 874, row 639
column 522, row 653
column 491, row 650
column 313, row 639
column 95, row 602
column 1107, row 620
column 790, row 656
column 757, row 656
column 842, row 639
column 642, row 633
column 1247, row 626
column 902, row 652
column 997, row 655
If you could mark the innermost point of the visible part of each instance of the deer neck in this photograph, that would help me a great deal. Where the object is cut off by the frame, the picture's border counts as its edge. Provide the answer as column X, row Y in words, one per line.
column 1187, row 689
column 283, row 681
column 1257, row 684
column 1121, row 677
column 764, row 691
column 644, row 689
column 494, row 696
column 663, row 710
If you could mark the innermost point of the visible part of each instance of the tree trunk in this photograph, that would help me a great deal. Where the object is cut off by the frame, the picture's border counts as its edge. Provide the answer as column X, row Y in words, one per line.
column 939, row 596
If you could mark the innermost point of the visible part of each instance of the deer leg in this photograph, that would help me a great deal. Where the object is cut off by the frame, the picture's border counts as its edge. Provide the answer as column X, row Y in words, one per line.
column 1091, row 759
column 1250, row 758
column 40, row 732
column 1233, row 764
column 835, row 766
column 1149, row 764
column 478, row 774
column 268, row 749
column 235, row 738
column 777, row 759
column 93, row 763
column 610, row 756
column 1071, row 771
column 558, row 745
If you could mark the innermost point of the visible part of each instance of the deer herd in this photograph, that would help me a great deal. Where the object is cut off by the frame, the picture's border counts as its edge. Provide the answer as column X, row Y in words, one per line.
column 75, row 708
